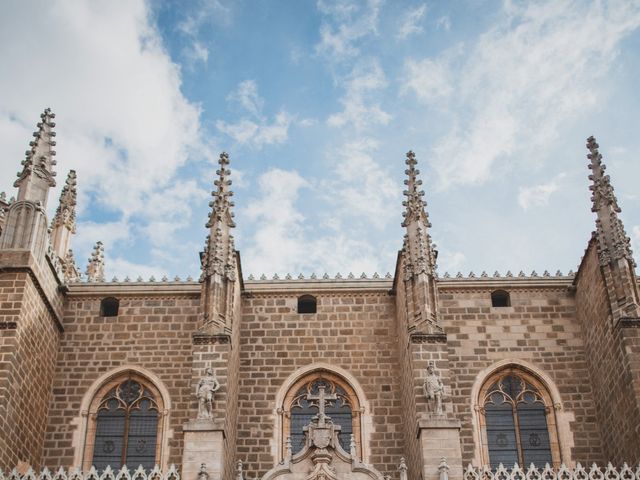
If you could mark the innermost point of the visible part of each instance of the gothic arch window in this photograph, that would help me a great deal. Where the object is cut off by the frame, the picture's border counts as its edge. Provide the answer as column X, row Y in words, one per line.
column 125, row 424
column 301, row 406
column 517, row 420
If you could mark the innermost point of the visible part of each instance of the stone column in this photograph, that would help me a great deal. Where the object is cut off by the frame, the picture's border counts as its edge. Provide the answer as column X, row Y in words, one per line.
column 439, row 438
column 204, row 443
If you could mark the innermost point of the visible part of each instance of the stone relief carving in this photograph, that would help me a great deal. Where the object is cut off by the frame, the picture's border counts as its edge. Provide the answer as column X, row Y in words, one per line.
column 207, row 386
column 434, row 389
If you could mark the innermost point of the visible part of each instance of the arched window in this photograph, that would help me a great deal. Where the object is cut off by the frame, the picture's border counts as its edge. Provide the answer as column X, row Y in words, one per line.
column 500, row 298
column 109, row 307
column 342, row 406
column 125, row 426
column 307, row 304
column 518, row 420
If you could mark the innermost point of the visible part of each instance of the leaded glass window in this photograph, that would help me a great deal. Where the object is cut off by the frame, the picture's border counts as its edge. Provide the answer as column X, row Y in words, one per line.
column 126, row 428
column 303, row 410
column 516, row 424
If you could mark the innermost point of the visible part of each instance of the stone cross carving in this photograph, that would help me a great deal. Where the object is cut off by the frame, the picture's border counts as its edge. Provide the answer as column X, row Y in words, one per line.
column 207, row 385
column 322, row 398
column 434, row 389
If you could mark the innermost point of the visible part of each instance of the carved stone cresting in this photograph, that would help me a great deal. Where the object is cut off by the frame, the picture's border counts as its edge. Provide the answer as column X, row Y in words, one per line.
column 612, row 243
column 418, row 255
column 207, row 386
column 218, row 260
column 434, row 389
column 95, row 267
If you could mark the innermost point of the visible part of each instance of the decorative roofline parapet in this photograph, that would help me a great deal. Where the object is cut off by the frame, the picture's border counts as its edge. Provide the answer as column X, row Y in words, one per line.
column 107, row 474
column 532, row 472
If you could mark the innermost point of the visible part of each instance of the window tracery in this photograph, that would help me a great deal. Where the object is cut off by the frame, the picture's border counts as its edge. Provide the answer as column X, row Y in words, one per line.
column 518, row 420
column 125, row 426
column 301, row 406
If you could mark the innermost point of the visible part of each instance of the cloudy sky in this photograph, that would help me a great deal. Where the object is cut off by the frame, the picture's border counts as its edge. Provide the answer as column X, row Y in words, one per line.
column 317, row 102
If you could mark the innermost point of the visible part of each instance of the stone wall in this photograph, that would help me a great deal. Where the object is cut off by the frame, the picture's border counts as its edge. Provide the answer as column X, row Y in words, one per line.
column 408, row 389
column 613, row 360
column 540, row 328
column 153, row 331
column 353, row 330
column 29, row 338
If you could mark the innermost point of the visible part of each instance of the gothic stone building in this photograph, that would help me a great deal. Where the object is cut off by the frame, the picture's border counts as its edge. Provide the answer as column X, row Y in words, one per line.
column 312, row 378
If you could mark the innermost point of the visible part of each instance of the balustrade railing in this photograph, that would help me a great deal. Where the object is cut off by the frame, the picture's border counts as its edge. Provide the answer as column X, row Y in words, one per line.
column 107, row 474
column 549, row 473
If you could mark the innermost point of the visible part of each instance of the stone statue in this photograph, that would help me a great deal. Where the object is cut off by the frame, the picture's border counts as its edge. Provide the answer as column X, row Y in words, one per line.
column 434, row 389
column 207, row 385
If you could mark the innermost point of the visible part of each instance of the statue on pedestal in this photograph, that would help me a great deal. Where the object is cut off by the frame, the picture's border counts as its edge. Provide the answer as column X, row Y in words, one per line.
column 434, row 389
column 207, row 385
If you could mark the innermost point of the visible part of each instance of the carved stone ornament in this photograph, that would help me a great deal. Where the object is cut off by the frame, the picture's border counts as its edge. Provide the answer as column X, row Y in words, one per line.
column 434, row 389
column 322, row 457
column 207, row 386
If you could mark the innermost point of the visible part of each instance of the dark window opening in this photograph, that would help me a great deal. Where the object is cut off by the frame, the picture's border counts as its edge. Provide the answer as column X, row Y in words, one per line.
column 516, row 422
column 126, row 428
column 307, row 304
column 500, row 298
column 109, row 307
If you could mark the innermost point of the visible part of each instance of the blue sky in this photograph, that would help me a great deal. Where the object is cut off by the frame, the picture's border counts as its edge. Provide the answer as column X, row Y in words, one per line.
column 317, row 103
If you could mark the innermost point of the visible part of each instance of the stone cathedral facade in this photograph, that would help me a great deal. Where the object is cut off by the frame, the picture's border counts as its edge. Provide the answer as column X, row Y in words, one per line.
column 406, row 376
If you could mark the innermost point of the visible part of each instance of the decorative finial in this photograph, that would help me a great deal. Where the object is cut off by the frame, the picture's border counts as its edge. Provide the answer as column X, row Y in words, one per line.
column 402, row 468
column 217, row 257
column 613, row 242
column 66, row 211
column 414, row 205
column 95, row 268
column 239, row 472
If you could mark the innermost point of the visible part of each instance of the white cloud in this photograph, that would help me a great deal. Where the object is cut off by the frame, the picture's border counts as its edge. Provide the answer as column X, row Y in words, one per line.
column 538, row 195
column 257, row 134
column 283, row 238
column 247, row 96
column 410, row 24
column 346, row 22
column 122, row 120
column 360, row 189
column 428, row 79
column 444, row 23
column 195, row 52
column 449, row 261
column 635, row 239
column 255, row 130
column 360, row 108
column 527, row 75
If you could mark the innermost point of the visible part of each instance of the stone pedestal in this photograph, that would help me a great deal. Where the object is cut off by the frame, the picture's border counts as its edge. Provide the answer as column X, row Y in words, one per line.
column 204, row 442
column 439, row 437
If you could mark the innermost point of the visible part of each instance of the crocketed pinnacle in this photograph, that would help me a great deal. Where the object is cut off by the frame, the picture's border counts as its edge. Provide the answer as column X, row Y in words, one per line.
column 66, row 211
column 219, row 247
column 414, row 205
column 39, row 162
column 420, row 254
column 95, row 268
column 222, row 204
column 613, row 242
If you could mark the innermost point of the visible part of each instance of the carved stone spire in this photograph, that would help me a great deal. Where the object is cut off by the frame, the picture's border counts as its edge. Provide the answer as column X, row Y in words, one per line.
column 25, row 225
column 613, row 244
column 70, row 269
column 63, row 224
column 418, row 254
column 218, row 260
column 37, row 173
column 95, row 268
